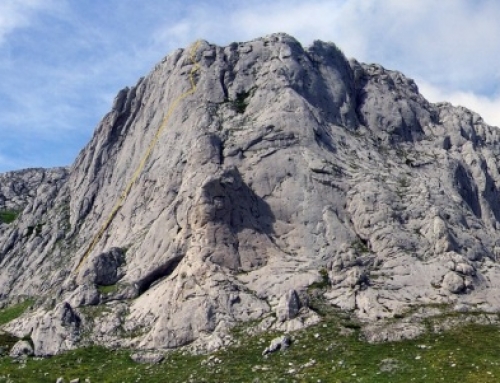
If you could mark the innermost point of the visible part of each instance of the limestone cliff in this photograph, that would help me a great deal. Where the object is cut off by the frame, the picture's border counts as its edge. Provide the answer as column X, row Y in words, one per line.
column 286, row 166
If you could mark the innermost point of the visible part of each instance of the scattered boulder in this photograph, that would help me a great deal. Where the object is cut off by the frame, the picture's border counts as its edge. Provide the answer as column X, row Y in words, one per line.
column 392, row 332
column 389, row 365
column 147, row 357
column 278, row 344
column 84, row 295
column 21, row 349
column 454, row 283
column 310, row 363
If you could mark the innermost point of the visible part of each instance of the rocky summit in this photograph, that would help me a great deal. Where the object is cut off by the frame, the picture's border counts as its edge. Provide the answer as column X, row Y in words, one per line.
column 282, row 172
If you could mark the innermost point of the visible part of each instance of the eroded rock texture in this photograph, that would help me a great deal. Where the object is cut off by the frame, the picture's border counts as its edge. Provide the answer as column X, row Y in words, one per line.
column 286, row 166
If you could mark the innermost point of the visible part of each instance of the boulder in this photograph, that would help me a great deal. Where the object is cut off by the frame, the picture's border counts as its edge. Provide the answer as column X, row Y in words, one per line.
column 147, row 357
column 278, row 344
column 105, row 268
column 23, row 348
column 453, row 283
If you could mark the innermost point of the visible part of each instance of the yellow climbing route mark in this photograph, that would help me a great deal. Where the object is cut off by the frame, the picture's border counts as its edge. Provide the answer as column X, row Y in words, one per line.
column 145, row 157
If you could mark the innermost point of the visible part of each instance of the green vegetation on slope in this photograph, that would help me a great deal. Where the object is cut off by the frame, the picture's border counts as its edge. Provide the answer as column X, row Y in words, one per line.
column 12, row 312
column 108, row 289
column 6, row 315
column 328, row 352
column 8, row 216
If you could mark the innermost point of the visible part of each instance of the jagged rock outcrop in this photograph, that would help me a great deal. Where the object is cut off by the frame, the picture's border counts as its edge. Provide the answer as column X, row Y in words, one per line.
column 18, row 189
column 284, row 167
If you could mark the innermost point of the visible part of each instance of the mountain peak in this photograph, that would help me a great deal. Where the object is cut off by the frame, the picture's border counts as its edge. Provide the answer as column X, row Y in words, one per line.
column 230, row 182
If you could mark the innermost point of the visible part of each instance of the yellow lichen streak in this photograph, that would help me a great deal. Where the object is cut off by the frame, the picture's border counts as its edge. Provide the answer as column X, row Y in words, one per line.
column 145, row 157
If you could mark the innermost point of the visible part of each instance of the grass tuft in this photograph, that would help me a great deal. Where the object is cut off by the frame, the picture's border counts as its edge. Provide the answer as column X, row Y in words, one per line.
column 323, row 283
column 8, row 216
column 109, row 289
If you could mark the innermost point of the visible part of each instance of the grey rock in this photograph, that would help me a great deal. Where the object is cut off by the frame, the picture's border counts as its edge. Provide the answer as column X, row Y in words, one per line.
column 289, row 306
column 453, row 283
column 392, row 332
column 52, row 331
column 84, row 295
column 460, row 308
column 60, row 380
column 106, row 268
column 389, row 365
column 304, row 318
column 286, row 162
column 277, row 344
column 76, row 380
column 308, row 364
column 147, row 357
column 22, row 348
column 18, row 189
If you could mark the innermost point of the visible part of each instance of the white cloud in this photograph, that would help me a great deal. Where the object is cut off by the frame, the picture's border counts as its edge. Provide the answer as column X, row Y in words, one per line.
column 420, row 34
column 487, row 107
column 17, row 14
column 450, row 43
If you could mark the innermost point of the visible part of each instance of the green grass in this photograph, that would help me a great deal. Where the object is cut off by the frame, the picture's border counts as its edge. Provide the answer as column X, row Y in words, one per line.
column 323, row 283
column 6, row 343
column 360, row 245
column 12, row 312
column 6, row 315
column 37, row 229
column 240, row 103
column 8, row 216
column 108, row 289
column 467, row 354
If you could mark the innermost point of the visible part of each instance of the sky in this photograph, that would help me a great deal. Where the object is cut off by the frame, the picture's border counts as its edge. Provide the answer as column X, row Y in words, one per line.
column 63, row 61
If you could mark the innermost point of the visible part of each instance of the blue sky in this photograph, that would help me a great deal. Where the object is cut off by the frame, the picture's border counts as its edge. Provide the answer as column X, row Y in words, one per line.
column 63, row 61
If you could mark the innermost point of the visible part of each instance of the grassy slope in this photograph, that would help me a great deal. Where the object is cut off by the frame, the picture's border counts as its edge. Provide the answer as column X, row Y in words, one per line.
column 12, row 312
column 466, row 354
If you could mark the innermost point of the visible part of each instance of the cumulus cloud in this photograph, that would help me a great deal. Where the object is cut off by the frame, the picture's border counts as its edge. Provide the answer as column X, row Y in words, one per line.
column 487, row 107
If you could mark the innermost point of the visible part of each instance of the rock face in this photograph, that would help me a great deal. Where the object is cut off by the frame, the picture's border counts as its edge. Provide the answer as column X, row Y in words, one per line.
column 289, row 306
column 285, row 166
